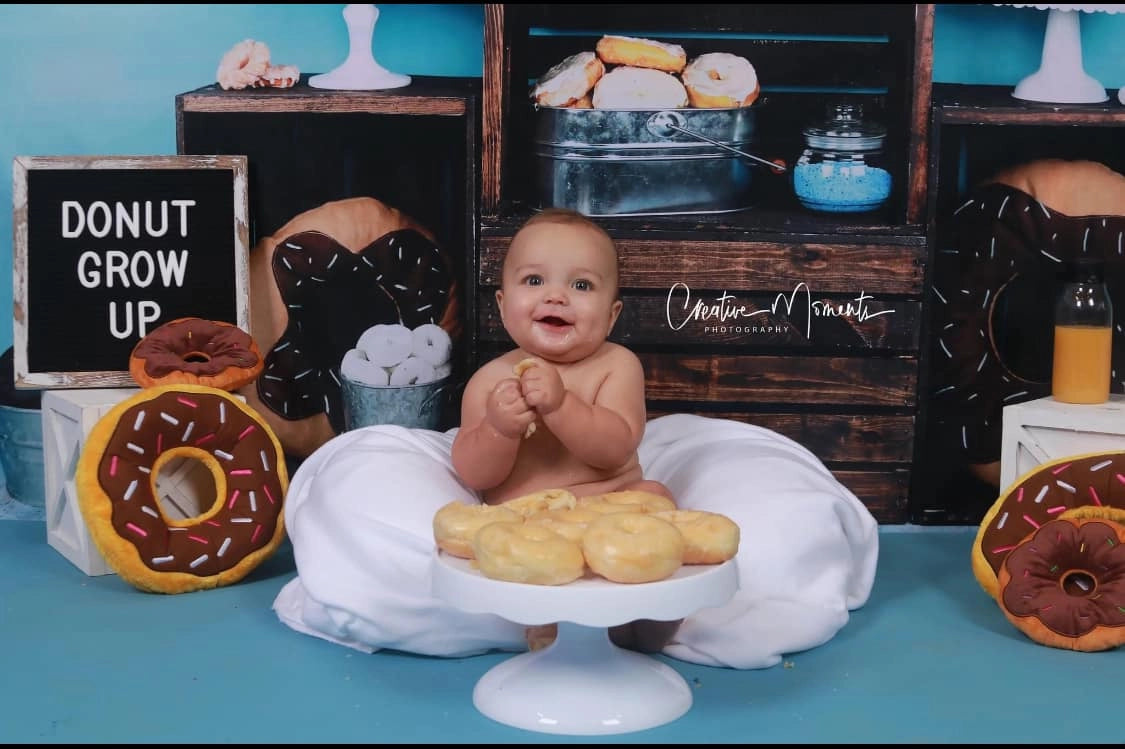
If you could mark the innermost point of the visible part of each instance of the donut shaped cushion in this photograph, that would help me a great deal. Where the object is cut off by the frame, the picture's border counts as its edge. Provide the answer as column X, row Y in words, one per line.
column 316, row 285
column 122, row 459
column 1063, row 584
column 1017, row 230
column 1080, row 486
column 194, row 351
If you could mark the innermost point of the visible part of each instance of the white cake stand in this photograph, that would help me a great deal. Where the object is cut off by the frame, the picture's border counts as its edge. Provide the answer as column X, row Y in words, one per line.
column 360, row 72
column 583, row 684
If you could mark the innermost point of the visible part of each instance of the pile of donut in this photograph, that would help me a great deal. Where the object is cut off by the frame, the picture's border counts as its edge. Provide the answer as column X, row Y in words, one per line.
column 187, row 370
column 625, row 72
column 552, row 537
column 247, row 65
column 393, row 355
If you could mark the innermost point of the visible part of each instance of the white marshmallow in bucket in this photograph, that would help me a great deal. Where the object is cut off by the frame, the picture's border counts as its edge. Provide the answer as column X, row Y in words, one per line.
column 358, row 368
column 432, row 344
column 412, row 371
column 386, row 345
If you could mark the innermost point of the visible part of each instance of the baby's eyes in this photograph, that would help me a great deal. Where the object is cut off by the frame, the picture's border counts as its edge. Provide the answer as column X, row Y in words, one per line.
column 533, row 280
column 582, row 284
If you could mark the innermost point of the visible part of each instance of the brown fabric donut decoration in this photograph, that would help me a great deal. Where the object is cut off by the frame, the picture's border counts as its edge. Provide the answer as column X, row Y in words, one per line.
column 1081, row 486
column 1064, row 585
column 122, row 459
column 1017, row 229
column 194, row 351
column 322, row 279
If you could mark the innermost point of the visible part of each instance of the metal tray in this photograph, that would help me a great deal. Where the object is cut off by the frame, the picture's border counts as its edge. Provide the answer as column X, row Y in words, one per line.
column 604, row 162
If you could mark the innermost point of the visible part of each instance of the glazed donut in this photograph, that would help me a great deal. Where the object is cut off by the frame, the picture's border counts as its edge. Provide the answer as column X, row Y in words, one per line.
column 194, row 351
column 720, row 80
column 641, row 53
column 119, row 467
column 243, row 65
column 524, row 553
column 709, row 537
column 569, row 81
column 647, row 501
column 548, row 499
column 1062, row 585
column 522, row 366
column 431, row 344
column 278, row 76
column 632, row 547
column 1014, row 232
column 1091, row 485
column 570, row 523
column 639, row 88
column 456, row 523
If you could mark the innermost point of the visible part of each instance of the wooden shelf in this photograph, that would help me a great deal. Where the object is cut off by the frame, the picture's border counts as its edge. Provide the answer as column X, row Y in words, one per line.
column 961, row 104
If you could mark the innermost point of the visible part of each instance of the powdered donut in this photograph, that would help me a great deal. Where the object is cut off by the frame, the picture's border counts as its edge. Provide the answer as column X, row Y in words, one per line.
column 647, row 501
column 1062, row 586
column 630, row 547
column 570, row 523
column 386, row 344
column 456, row 523
column 641, row 53
column 639, row 88
column 117, row 473
column 412, row 371
column 194, row 351
column 355, row 366
column 243, row 65
column 522, row 553
column 569, row 81
column 720, row 80
column 709, row 537
column 548, row 499
column 431, row 344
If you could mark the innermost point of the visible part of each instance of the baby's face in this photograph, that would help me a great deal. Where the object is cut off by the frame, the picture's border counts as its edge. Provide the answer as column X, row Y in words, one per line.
column 558, row 298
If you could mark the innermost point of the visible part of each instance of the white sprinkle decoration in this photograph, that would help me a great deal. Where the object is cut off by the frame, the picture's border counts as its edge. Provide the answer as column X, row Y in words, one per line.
column 972, row 396
column 992, row 246
column 1014, row 395
column 945, row 389
column 400, row 287
column 286, row 261
column 139, row 420
column 224, row 455
column 253, row 502
column 222, row 412
column 198, row 561
column 939, row 296
column 424, row 307
column 1000, row 212
column 129, row 491
column 302, row 374
column 162, row 560
column 332, row 374
column 1100, row 466
column 135, row 448
column 983, row 359
column 1044, row 208
column 1051, row 256
column 223, row 547
column 1066, row 486
column 292, row 246
column 265, row 462
column 1003, row 519
column 242, row 520
column 366, row 261
column 943, row 348
column 149, row 511
column 963, row 206
column 987, row 294
column 332, row 261
column 187, row 432
column 964, row 438
column 283, row 346
column 170, row 419
column 1042, row 493
column 144, row 469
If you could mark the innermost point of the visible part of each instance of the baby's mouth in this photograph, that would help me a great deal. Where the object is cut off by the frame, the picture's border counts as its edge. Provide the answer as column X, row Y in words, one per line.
column 552, row 321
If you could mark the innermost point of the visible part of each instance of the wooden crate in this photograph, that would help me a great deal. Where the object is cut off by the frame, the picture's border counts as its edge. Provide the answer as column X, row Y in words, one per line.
column 844, row 385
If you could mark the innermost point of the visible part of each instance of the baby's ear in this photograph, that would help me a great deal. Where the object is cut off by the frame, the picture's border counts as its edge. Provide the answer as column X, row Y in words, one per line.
column 614, row 312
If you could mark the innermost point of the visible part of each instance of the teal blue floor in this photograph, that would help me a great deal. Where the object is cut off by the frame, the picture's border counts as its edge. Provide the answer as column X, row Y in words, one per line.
column 930, row 658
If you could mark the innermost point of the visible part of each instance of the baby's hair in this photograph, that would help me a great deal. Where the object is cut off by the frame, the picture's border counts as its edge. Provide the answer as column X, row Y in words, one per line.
column 567, row 216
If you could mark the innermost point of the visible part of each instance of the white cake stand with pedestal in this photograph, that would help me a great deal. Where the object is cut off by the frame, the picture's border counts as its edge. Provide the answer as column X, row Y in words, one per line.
column 583, row 684
column 360, row 71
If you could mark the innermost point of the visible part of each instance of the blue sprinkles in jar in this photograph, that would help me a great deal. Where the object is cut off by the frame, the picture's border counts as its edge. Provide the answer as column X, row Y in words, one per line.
column 841, row 169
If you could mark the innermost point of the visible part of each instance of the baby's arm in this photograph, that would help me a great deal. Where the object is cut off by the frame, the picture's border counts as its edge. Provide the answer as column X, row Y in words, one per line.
column 605, row 433
column 494, row 417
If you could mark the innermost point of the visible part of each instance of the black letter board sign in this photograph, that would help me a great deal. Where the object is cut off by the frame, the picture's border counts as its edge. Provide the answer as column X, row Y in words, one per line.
column 109, row 248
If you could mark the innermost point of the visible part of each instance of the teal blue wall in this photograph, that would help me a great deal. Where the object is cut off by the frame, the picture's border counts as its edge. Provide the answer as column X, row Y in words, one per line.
column 101, row 79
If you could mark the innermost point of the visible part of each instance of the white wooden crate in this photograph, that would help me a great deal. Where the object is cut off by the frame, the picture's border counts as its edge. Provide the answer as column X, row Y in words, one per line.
column 68, row 417
column 1039, row 431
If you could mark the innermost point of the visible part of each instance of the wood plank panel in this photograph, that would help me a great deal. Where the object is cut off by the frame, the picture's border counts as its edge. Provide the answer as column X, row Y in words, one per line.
column 751, row 319
column 828, row 268
column 840, row 438
column 884, row 493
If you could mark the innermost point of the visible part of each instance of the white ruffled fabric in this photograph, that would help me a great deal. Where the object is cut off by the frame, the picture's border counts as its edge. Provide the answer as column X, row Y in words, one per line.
column 359, row 513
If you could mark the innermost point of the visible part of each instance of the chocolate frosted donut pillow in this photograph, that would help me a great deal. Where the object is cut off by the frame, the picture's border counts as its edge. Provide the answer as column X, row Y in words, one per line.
column 316, row 285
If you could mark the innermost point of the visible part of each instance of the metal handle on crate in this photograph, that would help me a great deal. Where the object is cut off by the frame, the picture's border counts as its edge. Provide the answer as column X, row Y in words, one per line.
column 663, row 124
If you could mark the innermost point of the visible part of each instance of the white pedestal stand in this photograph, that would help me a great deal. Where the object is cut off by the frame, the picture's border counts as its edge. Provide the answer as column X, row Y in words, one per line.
column 360, row 72
column 583, row 684
column 1061, row 77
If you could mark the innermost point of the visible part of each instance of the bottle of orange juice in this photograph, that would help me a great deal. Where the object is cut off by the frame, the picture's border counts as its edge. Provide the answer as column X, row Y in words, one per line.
column 1083, row 335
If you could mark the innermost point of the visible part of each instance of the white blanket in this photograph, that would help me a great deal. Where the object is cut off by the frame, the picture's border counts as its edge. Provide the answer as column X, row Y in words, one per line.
column 359, row 514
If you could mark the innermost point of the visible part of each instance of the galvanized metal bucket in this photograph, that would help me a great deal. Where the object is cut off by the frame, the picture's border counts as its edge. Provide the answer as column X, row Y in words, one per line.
column 21, row 454
column 604, row 162
column 417, row 406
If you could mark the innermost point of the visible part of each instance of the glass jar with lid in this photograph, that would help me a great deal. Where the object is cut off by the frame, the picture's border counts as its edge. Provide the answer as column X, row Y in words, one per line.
column 842, row 169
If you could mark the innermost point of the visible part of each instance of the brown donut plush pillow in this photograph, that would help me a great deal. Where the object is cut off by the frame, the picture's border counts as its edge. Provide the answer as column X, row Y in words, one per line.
column 316, row 285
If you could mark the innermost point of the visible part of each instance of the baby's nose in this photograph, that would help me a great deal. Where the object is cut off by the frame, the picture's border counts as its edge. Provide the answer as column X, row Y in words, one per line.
column 556, row 294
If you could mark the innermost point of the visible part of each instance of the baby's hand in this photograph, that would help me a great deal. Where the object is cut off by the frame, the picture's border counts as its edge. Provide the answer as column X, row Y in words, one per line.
column 507, row 411
column 542, row 387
